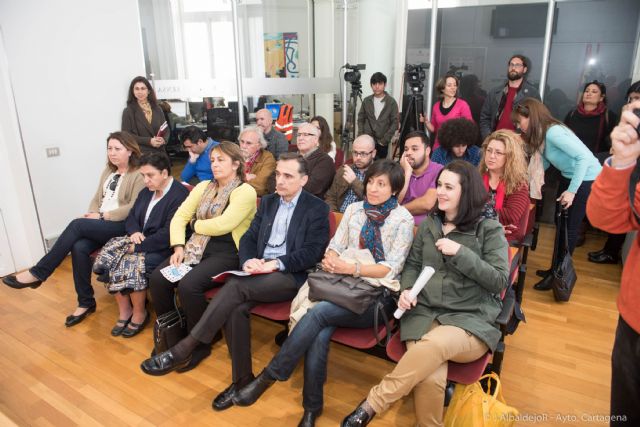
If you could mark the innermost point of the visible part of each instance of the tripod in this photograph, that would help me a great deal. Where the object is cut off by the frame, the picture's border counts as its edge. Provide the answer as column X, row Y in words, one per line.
column 410, row 119
column 349, row 128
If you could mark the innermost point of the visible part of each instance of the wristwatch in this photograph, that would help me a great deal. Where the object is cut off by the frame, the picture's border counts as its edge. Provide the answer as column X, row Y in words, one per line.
column 357, row 272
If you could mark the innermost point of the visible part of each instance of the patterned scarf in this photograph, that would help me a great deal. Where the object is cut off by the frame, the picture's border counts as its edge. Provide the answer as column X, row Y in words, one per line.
column 212, row 204
column 248, row 164
column 536, row 174
column 370, row 237
column 146, row 109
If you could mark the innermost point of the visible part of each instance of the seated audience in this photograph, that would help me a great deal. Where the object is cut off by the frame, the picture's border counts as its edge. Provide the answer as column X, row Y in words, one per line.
column 418, row 194
column 384, row 228
column 259, row 163
column 143, row 117
column 457, row 138
column 320, row 166
column 198, row 166
column 347, row 184
column 118, row 188
column 454, row 316
column 277, row 143
column 449, row 107
column 327, row 144
column 504, row 172
column 287, row 237
column 125, row 263
column 219, row 212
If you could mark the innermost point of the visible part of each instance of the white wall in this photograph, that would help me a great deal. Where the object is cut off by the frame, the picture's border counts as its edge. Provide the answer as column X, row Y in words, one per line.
column 69, row 64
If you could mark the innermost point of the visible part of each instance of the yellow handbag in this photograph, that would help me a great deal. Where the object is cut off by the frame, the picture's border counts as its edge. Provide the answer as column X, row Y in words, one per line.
column 471, row 406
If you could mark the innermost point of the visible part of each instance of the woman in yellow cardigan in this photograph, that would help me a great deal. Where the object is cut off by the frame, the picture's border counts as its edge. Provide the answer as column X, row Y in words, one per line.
column 219, row 212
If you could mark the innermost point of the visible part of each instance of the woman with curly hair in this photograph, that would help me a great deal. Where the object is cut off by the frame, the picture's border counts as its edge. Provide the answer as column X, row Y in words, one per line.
column 504, row 173
column 457, row 142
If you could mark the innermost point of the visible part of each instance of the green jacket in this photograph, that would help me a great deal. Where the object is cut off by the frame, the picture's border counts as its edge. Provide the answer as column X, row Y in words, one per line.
column 465, row 289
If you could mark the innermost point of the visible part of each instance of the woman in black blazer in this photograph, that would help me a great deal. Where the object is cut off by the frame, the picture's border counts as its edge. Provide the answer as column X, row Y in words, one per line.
column 125, row 263
column 143, row 117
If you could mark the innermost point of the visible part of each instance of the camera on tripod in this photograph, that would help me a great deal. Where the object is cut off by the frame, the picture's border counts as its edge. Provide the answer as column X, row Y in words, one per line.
column 415, row 75
column 353, row 76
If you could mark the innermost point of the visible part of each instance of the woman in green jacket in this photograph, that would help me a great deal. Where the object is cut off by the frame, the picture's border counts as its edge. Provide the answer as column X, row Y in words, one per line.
column 454, row 316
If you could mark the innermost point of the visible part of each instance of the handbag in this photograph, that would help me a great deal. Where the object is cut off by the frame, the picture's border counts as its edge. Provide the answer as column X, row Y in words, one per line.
column 564, row 274
column 472, row 406
column 169, row 328
column 353, row 293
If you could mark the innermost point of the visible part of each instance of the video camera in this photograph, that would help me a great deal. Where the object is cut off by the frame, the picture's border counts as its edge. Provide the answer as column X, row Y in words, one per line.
column 415, row 75
column 353, row 76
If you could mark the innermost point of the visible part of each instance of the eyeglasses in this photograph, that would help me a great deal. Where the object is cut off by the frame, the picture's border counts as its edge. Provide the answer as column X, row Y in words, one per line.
column 512, row 65
column 247, row 142
column 306, row 134
column 362, row 153
column 491, row 152
column 114, row 182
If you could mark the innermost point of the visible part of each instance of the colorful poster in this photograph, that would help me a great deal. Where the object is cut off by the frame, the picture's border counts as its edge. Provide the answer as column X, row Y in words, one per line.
column 281, row 54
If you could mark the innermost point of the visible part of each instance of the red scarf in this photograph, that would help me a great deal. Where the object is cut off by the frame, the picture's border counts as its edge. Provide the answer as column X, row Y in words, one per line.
column 500, row 191
column 598, row 110
column 248, row 164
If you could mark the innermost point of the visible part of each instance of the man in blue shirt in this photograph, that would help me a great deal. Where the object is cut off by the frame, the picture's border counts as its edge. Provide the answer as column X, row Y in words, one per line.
column 198, row 167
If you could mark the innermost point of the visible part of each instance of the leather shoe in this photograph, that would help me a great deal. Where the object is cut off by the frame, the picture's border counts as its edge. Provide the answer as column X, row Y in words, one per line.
column 120, row 325
column 225, row 399
column 603, row 258
column 248, row 394
column 358, row 418
column 544, row 284
column 129, row 332
column 72, row 320
column 163, row 363
column 596, row 253
column 200, row 353
column 12, row 282
column 309, row 418
column 543, row 273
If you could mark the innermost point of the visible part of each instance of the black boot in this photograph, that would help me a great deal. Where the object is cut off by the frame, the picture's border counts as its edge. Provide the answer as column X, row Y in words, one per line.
column 543, row 273
column 248, row 394
column 359, row 417
column 544, row 284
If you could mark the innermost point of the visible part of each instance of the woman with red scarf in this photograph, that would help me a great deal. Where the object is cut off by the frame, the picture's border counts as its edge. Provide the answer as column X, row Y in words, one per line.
column 592, row 121
column 504, row 172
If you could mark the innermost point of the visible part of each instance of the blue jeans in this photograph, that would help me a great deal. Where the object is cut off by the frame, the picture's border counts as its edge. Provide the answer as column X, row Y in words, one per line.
column 81, row 237
column 311, row 338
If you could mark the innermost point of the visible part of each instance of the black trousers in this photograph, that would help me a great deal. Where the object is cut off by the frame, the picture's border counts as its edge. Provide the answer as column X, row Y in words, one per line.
column 625, row 377
column 218, row 257
column 381, row 151
column 231, row 308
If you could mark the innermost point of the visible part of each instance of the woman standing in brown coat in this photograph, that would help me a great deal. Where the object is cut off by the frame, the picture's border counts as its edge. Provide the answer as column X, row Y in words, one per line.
column 143, row 118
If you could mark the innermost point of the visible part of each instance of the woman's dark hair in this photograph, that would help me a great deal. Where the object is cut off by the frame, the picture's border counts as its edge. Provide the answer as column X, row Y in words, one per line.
column 457, row 132
column 635, row 87
column 325, row 133
column 473, row 195
column 442, row 83
column 540, row 120
column 152, row 94
column 378, row 77
column 157, row 160
column 386, row 167
column 194, row 134
column 601, row 86
column 232, row 150
column 130, row 143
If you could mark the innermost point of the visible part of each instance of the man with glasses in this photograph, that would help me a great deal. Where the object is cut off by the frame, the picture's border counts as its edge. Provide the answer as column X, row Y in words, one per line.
column 419, row 192
column 500, row 101
column 348, row 185
column 276, row 142
column 198, row 167
column 286, row 238
column 259, row 164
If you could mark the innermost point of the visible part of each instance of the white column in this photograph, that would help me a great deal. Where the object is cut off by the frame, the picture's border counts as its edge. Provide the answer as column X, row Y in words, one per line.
column 325, row 66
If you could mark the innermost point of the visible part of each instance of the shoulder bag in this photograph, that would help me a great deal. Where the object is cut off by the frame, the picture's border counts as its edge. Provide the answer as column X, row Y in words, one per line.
column 169, row 328
column 564, row 274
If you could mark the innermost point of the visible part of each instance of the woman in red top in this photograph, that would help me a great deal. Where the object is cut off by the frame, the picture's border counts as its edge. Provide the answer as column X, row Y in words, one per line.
column 504, row 171
column 449, row 107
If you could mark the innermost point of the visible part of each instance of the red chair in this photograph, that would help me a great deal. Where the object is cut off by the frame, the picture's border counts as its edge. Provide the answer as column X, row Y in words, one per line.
column 359, row 338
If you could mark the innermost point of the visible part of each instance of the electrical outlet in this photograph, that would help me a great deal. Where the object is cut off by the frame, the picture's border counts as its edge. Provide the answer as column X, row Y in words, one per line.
column 53, row 151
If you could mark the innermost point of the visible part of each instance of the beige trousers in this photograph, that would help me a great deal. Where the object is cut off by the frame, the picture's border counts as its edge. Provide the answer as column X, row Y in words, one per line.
column 423, row 369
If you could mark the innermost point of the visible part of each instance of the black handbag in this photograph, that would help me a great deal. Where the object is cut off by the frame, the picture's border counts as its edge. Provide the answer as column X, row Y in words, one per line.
column 353, row 293
column 564, row 274
column 169, row 328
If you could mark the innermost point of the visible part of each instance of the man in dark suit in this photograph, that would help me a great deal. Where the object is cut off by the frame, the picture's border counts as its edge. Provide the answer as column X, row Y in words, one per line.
column 287, row 237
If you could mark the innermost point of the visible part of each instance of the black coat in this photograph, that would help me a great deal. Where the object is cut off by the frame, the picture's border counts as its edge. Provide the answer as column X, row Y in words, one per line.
column 156, row 231
column 307, row 237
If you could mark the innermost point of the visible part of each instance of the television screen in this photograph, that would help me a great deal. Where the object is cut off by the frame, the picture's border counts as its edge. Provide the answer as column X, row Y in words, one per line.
column 520, row 21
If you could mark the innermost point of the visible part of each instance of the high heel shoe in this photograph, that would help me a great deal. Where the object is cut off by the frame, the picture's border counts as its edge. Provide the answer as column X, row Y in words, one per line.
column 13, row 282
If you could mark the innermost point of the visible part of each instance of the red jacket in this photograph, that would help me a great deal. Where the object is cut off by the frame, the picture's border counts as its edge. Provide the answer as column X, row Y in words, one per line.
column 608, row 209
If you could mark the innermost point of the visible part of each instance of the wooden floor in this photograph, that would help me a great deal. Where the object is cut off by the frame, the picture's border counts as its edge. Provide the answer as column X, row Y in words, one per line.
column 556, row 365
